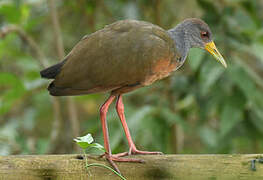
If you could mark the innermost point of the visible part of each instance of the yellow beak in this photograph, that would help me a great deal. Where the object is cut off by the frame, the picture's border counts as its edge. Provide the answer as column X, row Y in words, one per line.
column 211, row 48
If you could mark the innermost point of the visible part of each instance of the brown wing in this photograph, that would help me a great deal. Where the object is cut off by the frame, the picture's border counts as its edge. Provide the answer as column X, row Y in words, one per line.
column 122, row 54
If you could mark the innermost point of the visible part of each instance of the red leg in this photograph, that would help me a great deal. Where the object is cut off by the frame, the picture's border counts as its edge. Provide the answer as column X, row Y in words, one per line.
column 103, row 113
column 108, row 155
column 133, row 149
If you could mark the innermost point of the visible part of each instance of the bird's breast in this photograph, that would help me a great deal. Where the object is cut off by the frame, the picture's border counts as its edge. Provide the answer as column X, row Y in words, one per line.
column 161, row 69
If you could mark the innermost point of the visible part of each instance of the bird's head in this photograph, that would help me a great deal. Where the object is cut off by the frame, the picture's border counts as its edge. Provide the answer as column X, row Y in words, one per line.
column 198, row 34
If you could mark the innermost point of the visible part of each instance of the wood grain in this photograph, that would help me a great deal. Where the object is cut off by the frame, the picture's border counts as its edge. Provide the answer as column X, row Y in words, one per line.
column 158, row 167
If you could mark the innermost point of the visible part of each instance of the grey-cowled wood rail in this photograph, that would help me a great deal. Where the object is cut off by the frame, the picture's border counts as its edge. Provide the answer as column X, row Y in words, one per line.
column 122, row 57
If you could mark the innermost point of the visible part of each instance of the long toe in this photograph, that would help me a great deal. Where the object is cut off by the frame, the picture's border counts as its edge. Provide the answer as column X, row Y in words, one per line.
column 122, row 159
column 112, row 163
column 118, row 158
column 134, row 152
column 121, row 154
column 146, row 152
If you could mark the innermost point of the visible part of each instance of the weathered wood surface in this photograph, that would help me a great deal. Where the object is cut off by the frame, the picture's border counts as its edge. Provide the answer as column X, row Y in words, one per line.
column 49, row 167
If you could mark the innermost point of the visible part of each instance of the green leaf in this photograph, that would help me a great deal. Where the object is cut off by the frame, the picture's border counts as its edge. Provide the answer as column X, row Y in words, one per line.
column 244, row 21
column 15, row 14
column 208, row 136
column 97, row 146
column 10, row 12
column 13, row 90
column 195, row 58
column 83, row 145
column 172, row 118
column 257, row 118
column 138, row 116
column 209, row 74
column 186, row 102
column 246, row 84
column 87, row 139
column 231, row 116
column 25, row 12
column 87, row 142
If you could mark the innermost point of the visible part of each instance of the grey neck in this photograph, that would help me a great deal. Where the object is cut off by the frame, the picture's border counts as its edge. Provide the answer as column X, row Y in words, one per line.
column 183, row 46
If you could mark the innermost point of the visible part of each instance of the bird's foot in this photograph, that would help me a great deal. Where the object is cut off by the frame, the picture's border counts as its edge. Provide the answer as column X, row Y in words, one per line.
column 114, row 157
column 134, row 151
column 120, row 157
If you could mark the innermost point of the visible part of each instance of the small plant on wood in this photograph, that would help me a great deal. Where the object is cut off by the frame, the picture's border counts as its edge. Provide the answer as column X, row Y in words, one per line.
column 86, row 142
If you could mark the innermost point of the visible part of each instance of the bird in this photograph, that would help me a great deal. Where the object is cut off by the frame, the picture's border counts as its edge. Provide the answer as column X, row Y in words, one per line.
column 122, row 57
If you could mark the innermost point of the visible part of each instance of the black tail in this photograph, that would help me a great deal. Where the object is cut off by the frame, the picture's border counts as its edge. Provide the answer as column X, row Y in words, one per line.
column 52, row 71
column 60, row 91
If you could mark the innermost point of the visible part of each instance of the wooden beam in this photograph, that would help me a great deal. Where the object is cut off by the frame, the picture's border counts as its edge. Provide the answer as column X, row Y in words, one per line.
column 159, row 167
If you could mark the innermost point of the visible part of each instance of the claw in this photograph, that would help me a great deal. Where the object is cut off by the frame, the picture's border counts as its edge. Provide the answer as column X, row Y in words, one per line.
column 134, row 151
column 117, row 158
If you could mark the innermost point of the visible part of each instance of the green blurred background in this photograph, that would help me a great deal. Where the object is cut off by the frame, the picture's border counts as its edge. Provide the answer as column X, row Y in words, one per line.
column 201, row 108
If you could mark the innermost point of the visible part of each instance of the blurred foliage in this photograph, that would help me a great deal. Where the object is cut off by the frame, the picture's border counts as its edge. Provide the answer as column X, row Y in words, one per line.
column 202, row 108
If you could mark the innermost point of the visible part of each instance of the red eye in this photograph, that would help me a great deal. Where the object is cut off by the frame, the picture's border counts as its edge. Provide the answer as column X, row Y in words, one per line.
column 204, row 34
